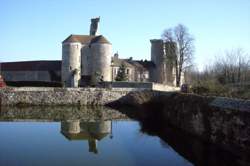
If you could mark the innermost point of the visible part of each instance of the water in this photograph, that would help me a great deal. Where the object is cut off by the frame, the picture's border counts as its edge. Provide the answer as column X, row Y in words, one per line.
column 93, row 136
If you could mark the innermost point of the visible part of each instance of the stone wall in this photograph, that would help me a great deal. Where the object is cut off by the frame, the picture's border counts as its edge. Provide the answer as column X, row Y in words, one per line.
column 142, row 85
column 61, row 96
column 223, row 121
column 74, row 96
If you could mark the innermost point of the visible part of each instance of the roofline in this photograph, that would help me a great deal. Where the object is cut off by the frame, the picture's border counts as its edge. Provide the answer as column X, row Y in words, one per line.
column 65, row 43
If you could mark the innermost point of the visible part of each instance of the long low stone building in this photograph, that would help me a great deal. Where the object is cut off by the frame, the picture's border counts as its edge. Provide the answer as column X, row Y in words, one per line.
column 31, row 71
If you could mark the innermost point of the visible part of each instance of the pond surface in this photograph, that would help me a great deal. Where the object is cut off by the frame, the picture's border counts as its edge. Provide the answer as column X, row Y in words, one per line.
column 92, row 136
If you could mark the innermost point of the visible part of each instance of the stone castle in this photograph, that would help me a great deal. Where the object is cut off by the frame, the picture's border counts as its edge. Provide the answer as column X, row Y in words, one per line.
column 85, row 57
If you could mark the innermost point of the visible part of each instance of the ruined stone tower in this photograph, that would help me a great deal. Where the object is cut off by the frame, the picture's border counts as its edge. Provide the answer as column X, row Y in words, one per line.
column 158, row 58
column 162, row 55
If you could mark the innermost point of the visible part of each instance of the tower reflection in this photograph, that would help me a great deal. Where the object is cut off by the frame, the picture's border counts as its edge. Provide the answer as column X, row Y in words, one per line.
column 93, row 131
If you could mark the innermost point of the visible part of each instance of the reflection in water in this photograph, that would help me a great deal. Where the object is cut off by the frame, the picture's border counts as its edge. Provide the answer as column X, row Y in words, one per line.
column 59, row 113
column 190, row 147
column 77, row 123
column 90, row 131
column 89, row 128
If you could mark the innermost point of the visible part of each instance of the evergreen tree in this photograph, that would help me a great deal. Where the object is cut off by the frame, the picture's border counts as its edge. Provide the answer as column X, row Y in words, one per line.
column 121, row 76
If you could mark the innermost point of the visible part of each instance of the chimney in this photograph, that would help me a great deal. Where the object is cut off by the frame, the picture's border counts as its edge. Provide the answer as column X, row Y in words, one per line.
column 94, row 26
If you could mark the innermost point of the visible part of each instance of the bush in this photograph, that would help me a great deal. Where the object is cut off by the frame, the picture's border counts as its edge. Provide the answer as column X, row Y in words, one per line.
column 213, row 88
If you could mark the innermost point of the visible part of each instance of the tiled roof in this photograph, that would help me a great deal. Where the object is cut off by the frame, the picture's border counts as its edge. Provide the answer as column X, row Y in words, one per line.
column 85, row 39
column 146, row 64
column 79, row 38
column 31, row 66
column 100, row 39
column 137, row 65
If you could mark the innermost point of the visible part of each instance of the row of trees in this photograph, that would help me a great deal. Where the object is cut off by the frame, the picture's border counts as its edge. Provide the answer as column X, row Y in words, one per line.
column 231, row 67
column 228, row 75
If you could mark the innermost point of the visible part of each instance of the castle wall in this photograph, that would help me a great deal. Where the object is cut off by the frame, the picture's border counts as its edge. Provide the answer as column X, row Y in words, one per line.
column 101, row 62
column 71, row 64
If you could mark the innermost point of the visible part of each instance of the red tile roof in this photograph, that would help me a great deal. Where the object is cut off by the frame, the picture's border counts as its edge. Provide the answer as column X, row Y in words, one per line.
column 85, row 39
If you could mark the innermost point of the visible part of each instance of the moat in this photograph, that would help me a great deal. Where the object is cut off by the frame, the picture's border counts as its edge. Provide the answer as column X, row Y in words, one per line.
column 97, row 136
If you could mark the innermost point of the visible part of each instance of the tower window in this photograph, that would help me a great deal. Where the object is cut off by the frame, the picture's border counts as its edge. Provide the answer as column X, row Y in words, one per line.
column 127, row 71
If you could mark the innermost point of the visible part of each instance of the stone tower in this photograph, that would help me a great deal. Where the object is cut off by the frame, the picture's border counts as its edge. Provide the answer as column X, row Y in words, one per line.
column 163, row 55
column 85, row 57
column 101, row 52
column 159, row 59
column 71, row 63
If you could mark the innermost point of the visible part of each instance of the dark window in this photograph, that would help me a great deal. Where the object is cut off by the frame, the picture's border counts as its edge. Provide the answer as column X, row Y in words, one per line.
column 127, row 71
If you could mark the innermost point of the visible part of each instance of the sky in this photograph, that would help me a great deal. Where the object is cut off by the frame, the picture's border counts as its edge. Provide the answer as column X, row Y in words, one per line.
column 34, row 29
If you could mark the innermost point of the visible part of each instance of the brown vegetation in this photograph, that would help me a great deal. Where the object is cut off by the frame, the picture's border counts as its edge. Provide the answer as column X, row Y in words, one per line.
column 229, row 76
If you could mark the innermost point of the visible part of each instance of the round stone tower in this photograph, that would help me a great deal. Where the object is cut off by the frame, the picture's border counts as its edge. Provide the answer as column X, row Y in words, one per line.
column 101, row 52
column 158, row 57
column 71, row 63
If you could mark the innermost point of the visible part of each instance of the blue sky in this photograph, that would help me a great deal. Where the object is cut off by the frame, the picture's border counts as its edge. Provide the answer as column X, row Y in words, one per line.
column 34, row 29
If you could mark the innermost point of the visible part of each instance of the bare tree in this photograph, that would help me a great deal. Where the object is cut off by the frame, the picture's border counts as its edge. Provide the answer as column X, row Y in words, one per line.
column 185, row 48
column 232, row 67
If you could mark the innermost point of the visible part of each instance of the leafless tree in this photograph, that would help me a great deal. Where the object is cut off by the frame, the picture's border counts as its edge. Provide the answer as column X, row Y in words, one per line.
column 185, row 48
column 232, row 67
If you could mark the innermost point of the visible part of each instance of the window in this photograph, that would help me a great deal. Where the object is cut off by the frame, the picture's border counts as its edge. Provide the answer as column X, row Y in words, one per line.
column 116, row 70
column 127, row 71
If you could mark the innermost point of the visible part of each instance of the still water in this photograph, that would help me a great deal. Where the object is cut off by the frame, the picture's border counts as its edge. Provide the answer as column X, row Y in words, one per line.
column 86, row 136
